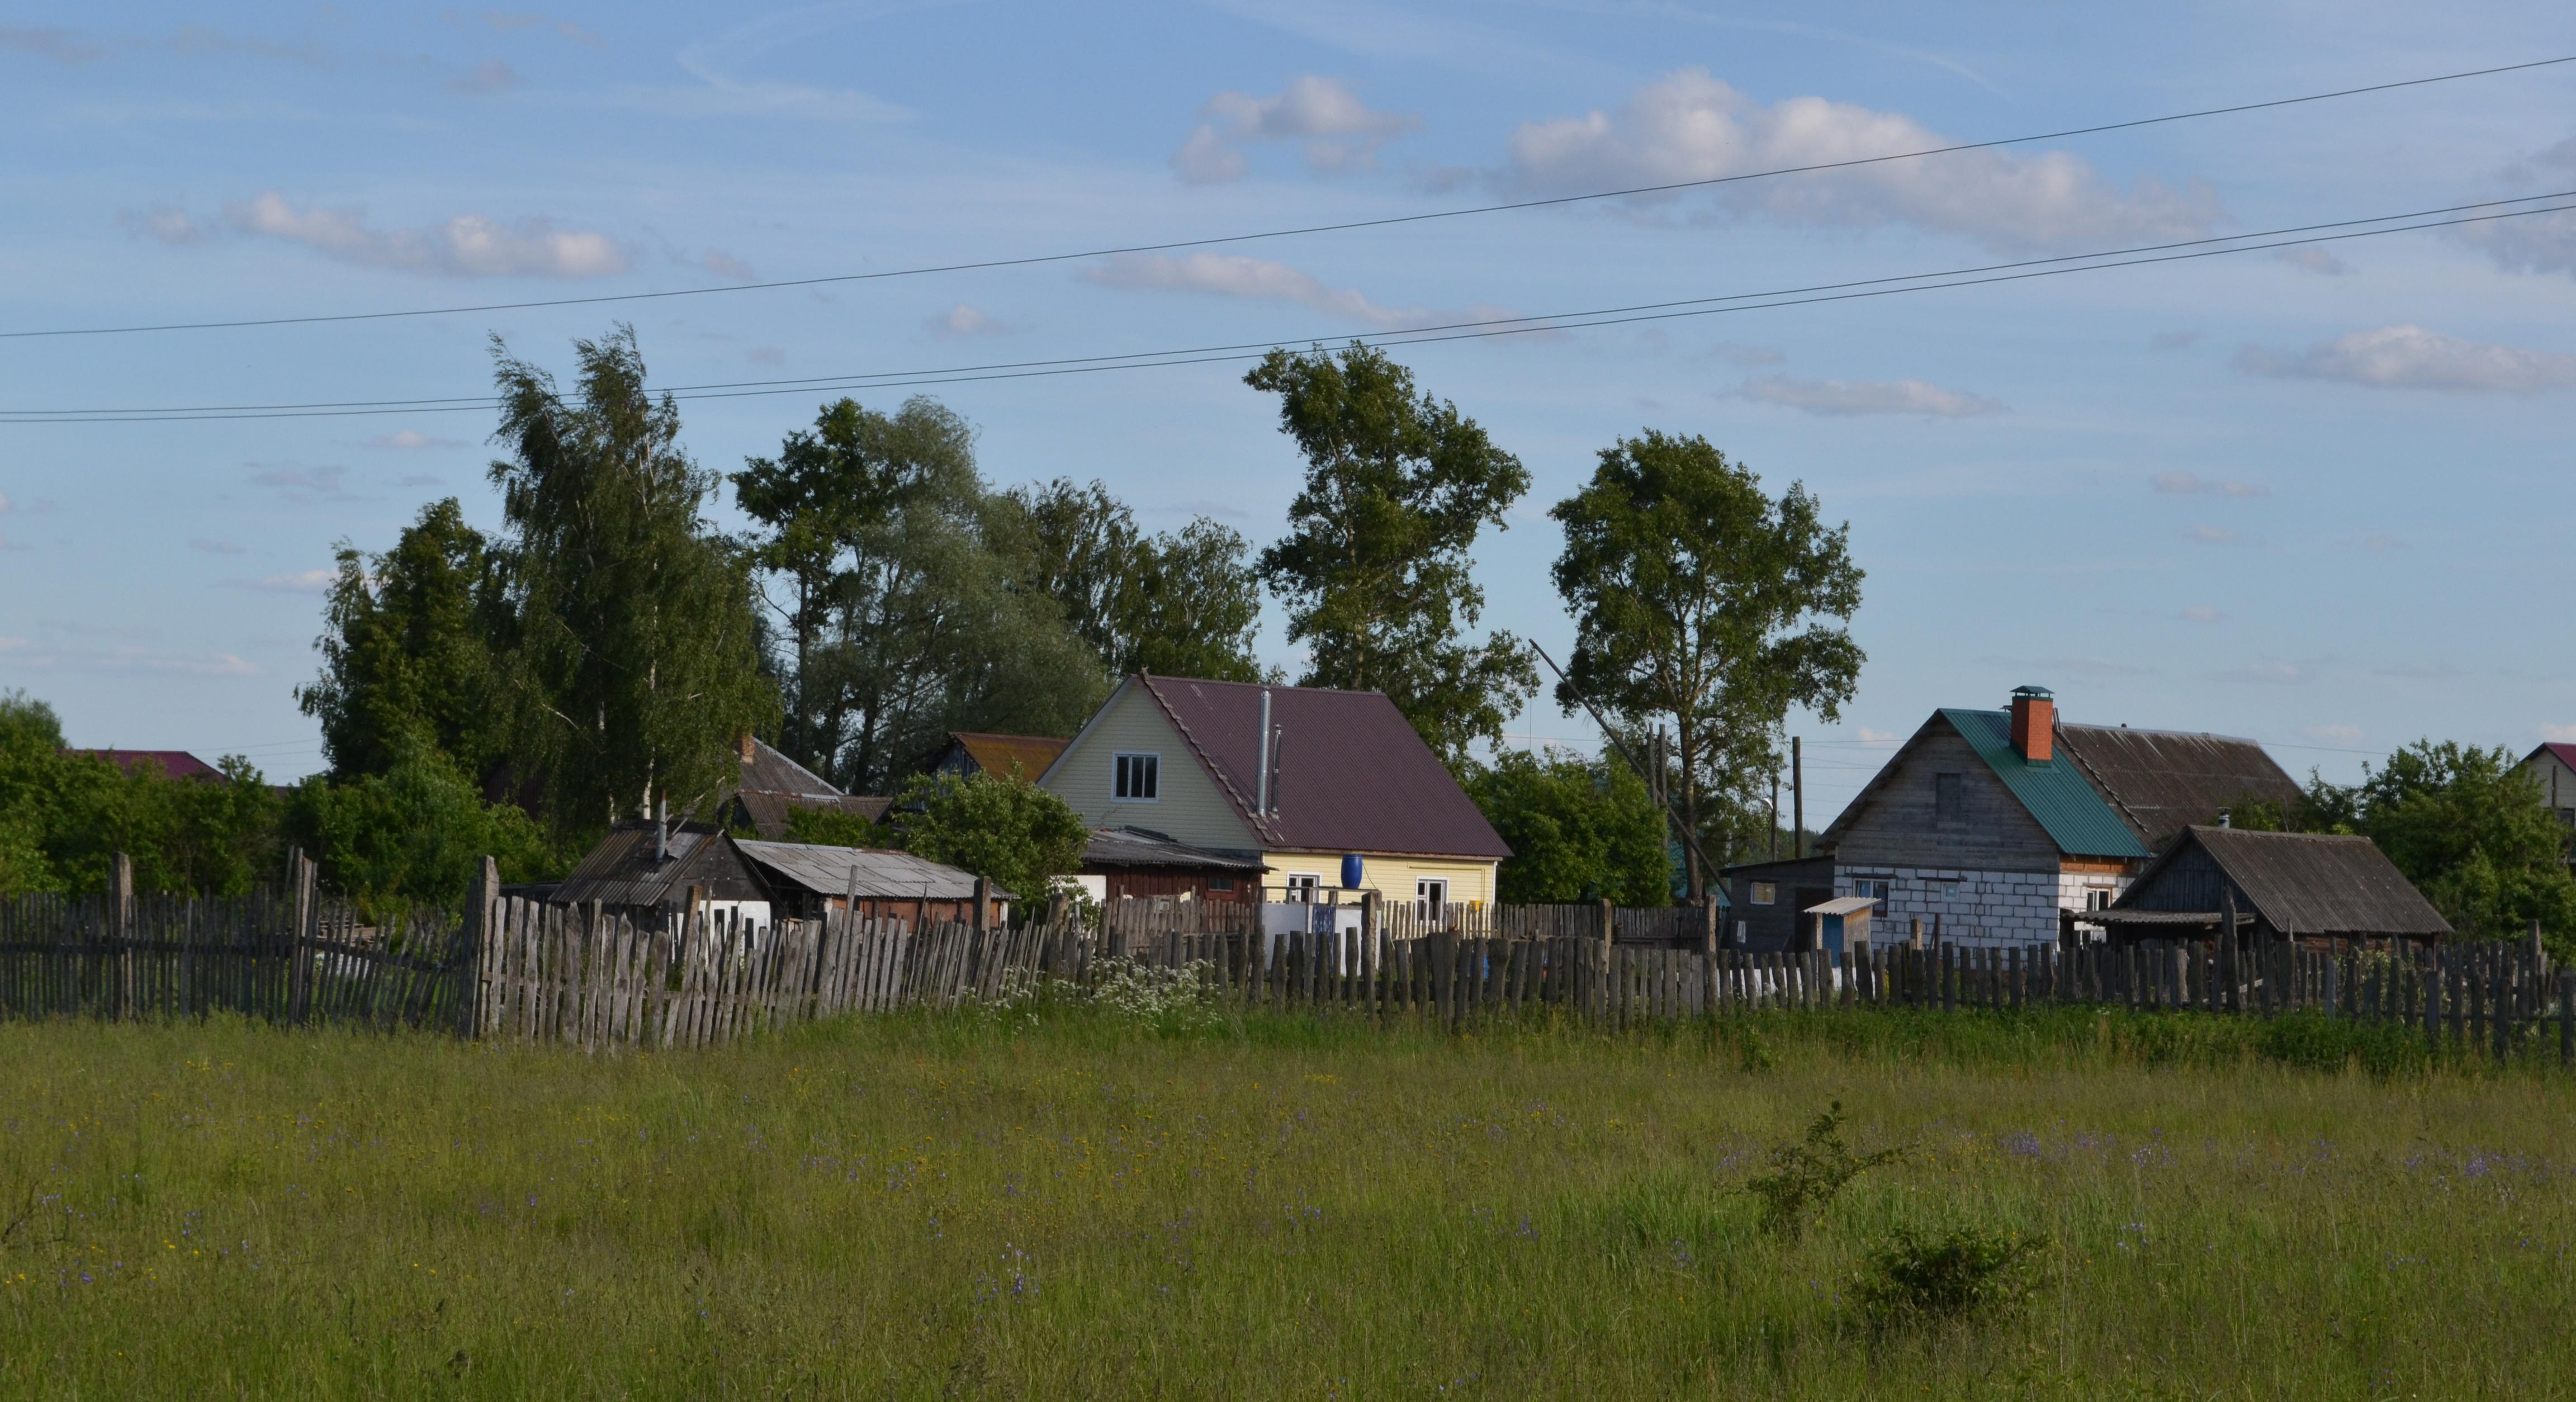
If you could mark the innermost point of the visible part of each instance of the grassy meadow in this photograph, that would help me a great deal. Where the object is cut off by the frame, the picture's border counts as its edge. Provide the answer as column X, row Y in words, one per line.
column 1075, row 1206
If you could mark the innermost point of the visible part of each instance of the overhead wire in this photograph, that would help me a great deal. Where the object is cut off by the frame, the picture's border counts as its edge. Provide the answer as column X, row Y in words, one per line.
column 1342, row 226
column 1849, row 290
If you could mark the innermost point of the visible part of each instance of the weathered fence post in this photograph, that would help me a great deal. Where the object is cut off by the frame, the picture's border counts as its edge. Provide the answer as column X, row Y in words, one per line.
column 300, row 945
column 120, row 928
column 481, row 936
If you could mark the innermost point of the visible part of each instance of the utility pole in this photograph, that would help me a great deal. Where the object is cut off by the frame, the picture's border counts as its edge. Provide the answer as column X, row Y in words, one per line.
column 1775, row 815
column 1797, row 799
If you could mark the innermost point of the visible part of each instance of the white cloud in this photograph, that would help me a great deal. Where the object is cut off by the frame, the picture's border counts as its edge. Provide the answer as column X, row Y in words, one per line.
column 2556, row 734
column 725, row 265
column 2410, row 357
column 2191, row 484
column 468, row 245
column 2314, row 260
column 963, row 320
column 1879, row 737
column 491, row 75
column 2200, row 613
column 1838, row 397
column 406, row 440
column 1234, row 275
column 22, row 652
column 1688, row 126
column 301, row 582
column 167, row 223
column 4, row 505
column 2340, row 734
column 1337, row 130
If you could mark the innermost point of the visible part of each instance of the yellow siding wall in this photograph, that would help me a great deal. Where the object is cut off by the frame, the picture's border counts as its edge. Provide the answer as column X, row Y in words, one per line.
column 1391, row 877
column 1190, row 808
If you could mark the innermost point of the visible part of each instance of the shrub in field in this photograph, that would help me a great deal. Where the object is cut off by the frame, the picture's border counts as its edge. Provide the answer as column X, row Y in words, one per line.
column 1806, row 1176
column 2323, row 1043
column 1955, row 1275
column 1754, row 1055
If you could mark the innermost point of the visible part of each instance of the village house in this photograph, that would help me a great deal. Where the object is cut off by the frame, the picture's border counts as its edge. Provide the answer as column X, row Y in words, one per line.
column 2552, row 769
column 772, row 786
column 647, row 870
column 1299, row 779
column 1985, row 825
column 174, row 764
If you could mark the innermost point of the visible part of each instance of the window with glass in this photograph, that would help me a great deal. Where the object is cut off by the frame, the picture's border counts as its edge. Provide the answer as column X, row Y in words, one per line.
column 1304, row 888
column 1766, row 893
column 1876, row 890
column 1137, row 778
column 1430, row 897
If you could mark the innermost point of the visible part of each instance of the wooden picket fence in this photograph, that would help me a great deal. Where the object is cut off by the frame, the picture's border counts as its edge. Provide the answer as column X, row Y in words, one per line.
column 280, row 956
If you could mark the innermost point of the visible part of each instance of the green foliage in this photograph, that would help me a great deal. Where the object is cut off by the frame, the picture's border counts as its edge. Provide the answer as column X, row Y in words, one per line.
column 1806, row 1176
column 407, row 654
column 904, row 617
column 2321, row 1043
column 1699, row 598
column 1580, row 830
column 634, row 661
column 1375, row 566
column 1183, row 603
column 64, row 816
column 1005, row 828
column 830, row 827
column 1956, row 1275
column 415, row 835
column 2464, row 824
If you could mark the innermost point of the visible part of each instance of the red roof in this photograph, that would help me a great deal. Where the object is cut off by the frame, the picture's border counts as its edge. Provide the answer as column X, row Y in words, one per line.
column 2566, row 752
column 177, row 764
column 1354, row 775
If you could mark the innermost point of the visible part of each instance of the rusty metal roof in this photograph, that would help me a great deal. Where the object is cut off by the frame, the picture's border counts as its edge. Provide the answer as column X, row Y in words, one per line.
column 2162, row 781
column 996, row 754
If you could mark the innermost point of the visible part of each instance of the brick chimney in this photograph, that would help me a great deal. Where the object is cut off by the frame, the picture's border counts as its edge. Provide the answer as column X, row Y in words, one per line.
column 742, row 746
column 2034, row 724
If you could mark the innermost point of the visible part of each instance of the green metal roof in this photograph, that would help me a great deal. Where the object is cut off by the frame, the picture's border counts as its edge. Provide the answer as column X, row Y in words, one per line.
column 2075, row 815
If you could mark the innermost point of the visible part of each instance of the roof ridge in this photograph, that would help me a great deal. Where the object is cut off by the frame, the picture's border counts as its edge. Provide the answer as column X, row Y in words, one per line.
column 1207, row 761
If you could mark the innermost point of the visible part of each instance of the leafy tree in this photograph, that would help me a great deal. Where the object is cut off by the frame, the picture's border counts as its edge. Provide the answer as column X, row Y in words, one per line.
column 1005, row 828
column 1699, row 598
column 2464, row 824
column 1579, row 830
column 64, row 816
column 1375, row 566
column 413, row 835
column 634, row 661
column 903, row 622
column 831, row 827
column 1181, row 603
column 407, row 655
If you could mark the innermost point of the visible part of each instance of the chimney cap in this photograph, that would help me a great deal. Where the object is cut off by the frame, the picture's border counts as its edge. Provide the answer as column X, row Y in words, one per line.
column 2035, row 693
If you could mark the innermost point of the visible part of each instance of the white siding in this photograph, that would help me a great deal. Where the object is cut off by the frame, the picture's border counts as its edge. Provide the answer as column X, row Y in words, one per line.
column 1189, row 808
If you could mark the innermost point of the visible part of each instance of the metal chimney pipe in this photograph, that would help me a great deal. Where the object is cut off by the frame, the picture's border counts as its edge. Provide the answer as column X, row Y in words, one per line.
column 1261, row 781
column 662, row 832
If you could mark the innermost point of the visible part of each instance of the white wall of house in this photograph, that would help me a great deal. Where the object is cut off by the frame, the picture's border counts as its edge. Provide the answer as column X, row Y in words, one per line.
column 1982, row 909
column 2557, row 784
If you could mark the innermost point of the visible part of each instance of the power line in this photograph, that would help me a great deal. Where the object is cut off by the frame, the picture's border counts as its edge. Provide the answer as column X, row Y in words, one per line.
column 1301, row 230
column 1455, row 331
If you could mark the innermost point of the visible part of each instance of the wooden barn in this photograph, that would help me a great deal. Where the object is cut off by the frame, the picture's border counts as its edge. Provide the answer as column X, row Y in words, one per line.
column 2307, row 886
column 1139, row 862
column 809, row 883
column 642, row 868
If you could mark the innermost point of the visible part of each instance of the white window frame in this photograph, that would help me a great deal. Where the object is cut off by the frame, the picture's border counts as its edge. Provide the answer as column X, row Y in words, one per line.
column 1302, row 888
column 1764, row 893
column 1425, row 888
column 2099, row 898
column 1121, row 771
column 1877, row 888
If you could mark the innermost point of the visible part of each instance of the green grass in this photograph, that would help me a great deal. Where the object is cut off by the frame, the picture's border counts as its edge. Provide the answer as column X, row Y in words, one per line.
column 950, row 1206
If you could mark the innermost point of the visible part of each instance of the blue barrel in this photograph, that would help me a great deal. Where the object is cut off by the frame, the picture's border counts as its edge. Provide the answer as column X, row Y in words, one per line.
column 1351, row 872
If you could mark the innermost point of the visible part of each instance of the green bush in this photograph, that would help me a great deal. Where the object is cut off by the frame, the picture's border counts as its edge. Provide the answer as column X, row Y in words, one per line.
column 1806, row 1177
column 1954, row 1275
column 2322, row 1043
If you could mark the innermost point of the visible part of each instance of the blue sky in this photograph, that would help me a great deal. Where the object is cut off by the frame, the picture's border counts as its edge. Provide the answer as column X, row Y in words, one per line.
column 2319, row 500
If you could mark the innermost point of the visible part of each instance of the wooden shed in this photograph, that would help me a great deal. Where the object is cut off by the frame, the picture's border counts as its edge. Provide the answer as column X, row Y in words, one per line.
column 1139, row 862
column 810, row 882
column 2309, row 886
column 1764, row 901
column 641, row 868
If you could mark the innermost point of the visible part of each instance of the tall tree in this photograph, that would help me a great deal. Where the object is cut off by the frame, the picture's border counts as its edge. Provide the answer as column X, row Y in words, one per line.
column 902, row 620
column 634, row 663
column 1375, row 567
column 1180, row 603
column 1580, row 830
column 407, row 654
column 1700, row 599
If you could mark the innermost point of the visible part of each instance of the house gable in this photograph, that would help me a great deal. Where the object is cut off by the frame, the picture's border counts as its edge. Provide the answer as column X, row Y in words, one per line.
column 1189, row 806
column 1895, row 821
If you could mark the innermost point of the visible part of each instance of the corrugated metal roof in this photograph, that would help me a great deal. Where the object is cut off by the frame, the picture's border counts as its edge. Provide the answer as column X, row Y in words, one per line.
column 620, row 871
column 1841, row 905
column 2162, row 781
column 1138, row 847
column 769, row 770
column 2307, row 883
column 2077, row 818
column 995, row 754
column 1353, row 774
column 882, row 875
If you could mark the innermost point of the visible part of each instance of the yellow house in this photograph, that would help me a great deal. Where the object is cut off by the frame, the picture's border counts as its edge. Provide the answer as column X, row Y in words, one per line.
column 1303, row 777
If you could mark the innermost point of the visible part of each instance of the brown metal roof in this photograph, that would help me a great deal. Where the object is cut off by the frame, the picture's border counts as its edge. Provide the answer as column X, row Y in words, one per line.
column 995, row 754
column 1353, row 774
column 175, row 764
column 1141, row 847
column 2302, row 883
column 2162, row 781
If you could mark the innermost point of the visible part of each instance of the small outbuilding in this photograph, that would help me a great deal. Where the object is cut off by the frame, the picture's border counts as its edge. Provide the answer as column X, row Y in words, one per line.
column 644, row 869
column 1125, row 862
column 810, row 883
column 1765, row 901
column 1840, row 925
column 2308, row 886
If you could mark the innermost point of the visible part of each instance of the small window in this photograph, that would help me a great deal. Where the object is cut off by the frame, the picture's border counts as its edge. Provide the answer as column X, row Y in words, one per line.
column 2098, row 898
column 1138, row 779
column 1220, row 883
column 1877, row 893
column 1430, row 897
column 1949, row 798
column 1766, row 893
column 2567, row 816
column 1304, row 888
